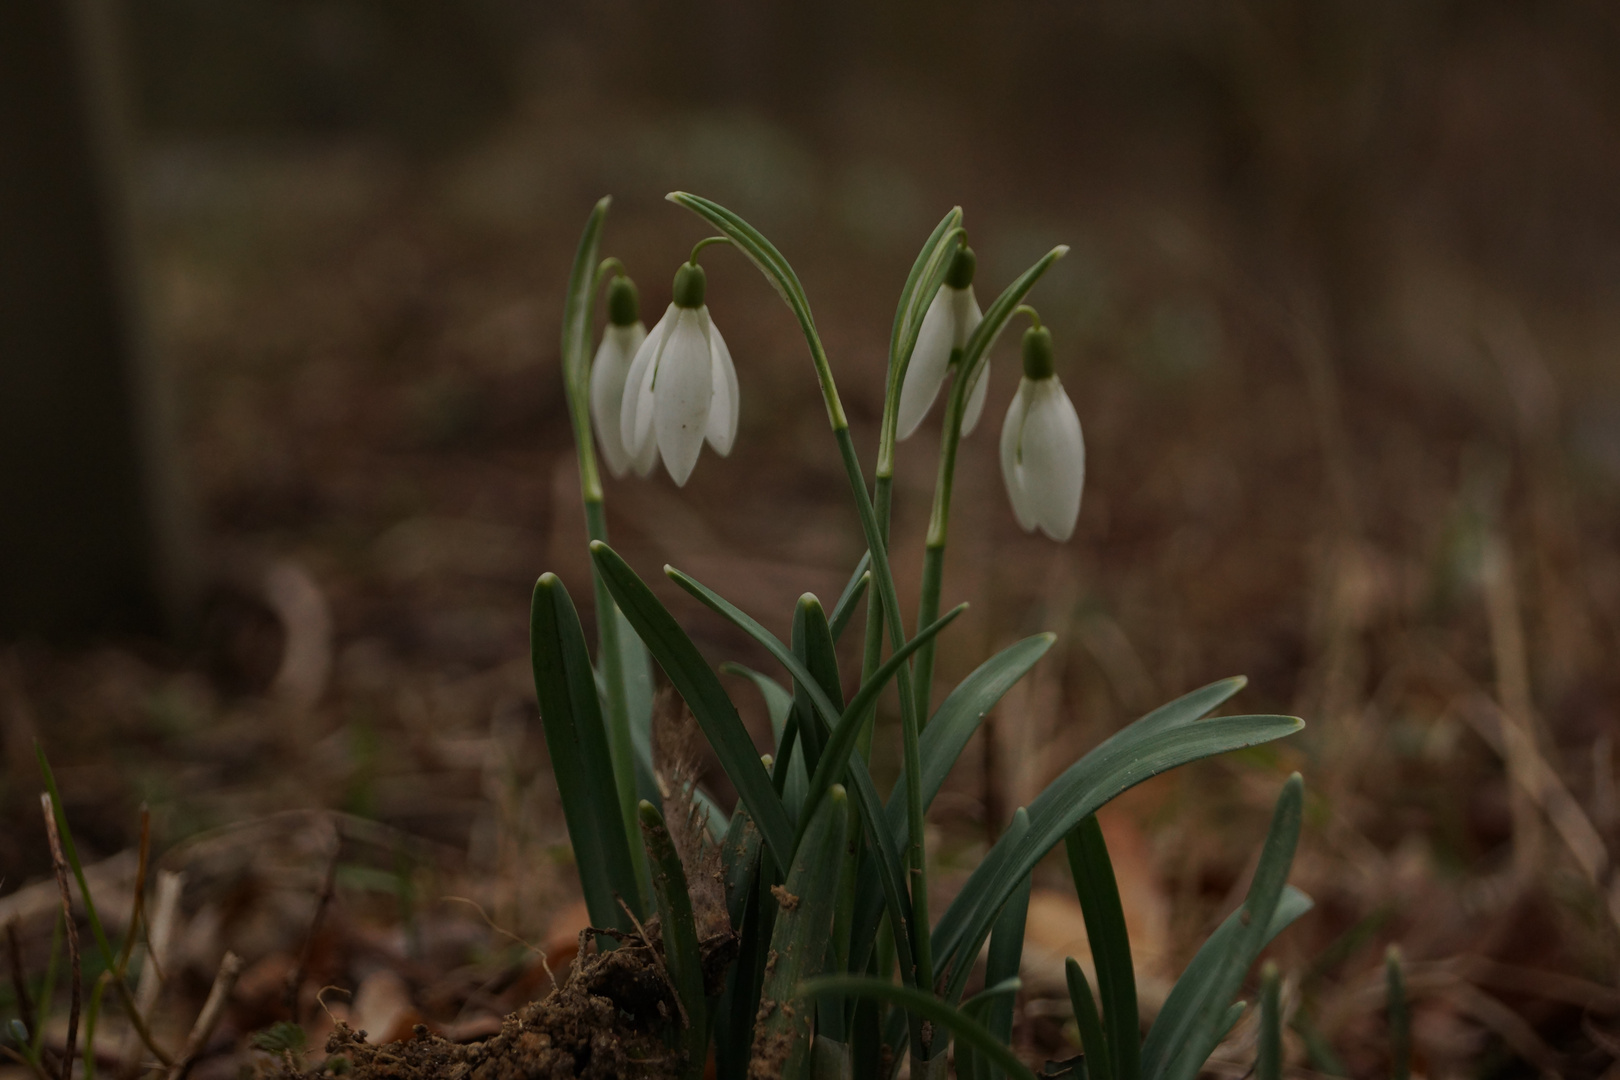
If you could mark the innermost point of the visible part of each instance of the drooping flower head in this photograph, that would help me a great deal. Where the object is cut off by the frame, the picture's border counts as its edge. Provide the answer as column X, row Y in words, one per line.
column 681, row 387
column 946, row 326
column 609, row 370
column 1043, row 455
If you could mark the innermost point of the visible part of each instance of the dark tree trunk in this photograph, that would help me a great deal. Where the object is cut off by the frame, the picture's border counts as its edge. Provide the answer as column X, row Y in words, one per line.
column 90, row 534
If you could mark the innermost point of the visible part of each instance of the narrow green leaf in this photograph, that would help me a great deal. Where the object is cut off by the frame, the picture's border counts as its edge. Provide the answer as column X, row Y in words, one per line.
column 845, row 723
column 1116, row 765
column 681, row 956
column 778, row 700
column 70, row 851
column 812, row 643
column 1006, row 951
column 914, row 300
column 960, row 715
column 799, row 942
column 1093, row 1040
column 939, row 747
column 1000, row 310
column 850, row 598
column 580, row 759
column 1268, row 1060
column 928, row 1007
column 703, row 694
column 1400, row 1016
column 891, row 875
column 739, row 862
column 1002, row 990
column 1093, row 874
column 577, row 302
column 1198, row 981
column 1209, row 1023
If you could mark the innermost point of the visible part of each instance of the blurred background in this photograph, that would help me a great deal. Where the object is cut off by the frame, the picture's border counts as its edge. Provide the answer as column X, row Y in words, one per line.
column 284, row 448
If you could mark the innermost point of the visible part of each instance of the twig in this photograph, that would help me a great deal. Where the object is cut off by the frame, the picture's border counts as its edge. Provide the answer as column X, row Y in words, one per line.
column 138, row 906
column 159, row 936
column 213, row 1009
column 59, row 860
column 19, row 980
column 328, row 887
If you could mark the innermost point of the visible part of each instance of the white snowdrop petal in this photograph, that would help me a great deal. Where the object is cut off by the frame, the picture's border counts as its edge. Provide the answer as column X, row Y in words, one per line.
column 1012, row 474
column 636, row 413
column 609, row 371
column 723, row 411
column 976, row 399
column 930, row 361
column 965, row 315
column 682, row 394
column 1053, row 460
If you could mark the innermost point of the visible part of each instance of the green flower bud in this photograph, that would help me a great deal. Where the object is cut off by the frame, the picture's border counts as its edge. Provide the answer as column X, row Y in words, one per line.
column 689, row 285
column 1037, row 353
column 623, row 307
column 960, row 273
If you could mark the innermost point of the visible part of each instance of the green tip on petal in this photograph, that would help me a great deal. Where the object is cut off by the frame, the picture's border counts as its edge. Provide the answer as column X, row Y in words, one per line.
column 624, row 307
column 1037, row 353
column 960, row 273
column 689, row 286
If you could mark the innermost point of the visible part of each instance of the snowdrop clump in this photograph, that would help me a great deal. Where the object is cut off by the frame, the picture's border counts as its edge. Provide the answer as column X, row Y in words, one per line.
column 818, row 954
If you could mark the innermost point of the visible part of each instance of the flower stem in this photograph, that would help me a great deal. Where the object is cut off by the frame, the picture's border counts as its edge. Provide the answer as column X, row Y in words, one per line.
column 584, row 284
column 933, row 571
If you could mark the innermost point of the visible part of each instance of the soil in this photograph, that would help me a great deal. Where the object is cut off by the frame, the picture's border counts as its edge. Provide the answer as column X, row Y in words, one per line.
column 614, row 1015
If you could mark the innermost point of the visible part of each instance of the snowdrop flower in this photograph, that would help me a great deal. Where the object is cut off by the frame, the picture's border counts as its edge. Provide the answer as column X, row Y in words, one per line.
column 620, row 341
column 1043, row 458
column 946, row 326
column 681, row 387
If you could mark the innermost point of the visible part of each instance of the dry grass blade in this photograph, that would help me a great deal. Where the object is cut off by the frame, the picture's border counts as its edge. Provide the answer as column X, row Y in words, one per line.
column 230, row 969
column 59, row 861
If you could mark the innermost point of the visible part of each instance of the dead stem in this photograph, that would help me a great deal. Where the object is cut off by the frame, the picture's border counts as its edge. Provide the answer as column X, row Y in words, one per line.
column 59, row 861
column 137, row 907
column 19, row 980
column 328, row 887
column 230, row 969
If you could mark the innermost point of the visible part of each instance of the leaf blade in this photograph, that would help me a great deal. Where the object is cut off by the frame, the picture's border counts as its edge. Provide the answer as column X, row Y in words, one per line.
column 700, row 688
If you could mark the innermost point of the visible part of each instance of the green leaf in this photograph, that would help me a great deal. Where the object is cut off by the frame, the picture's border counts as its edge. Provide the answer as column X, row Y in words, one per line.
column 1400, row 1016
column 939, row 747
column 1209, row 1022
column 1198, row 982
column 70, row 851
column 1093, row 874
column 850, row 598
column 1268, row 1059
column 779, row 704
column 967, row 1031
column 703, row 694
column 845, row 723
column 1118, row 764
column 813, row 645
column 960, row 715
column 739, row 863
column 577, row 741
column 1006, row 953
column 799, row 942
column 915, row 296
column 1093, row 1040
column 578, row 302
column 681, row 956
column 1000, row 310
